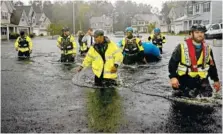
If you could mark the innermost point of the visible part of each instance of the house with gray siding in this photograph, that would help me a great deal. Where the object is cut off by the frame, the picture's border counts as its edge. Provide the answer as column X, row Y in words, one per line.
column 41, row 21
column 140, row 22
column 199, row 12
column 103, row 22
column 7, row 9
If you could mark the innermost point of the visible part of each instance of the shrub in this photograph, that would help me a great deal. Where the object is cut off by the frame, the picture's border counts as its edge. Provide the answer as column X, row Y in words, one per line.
column 41, row 34
column 13, row 35
column 184, row 32
column 32, row 35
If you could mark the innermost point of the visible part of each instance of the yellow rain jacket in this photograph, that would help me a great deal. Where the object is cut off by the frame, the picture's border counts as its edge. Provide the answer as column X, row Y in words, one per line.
column 67, row 44
column 24, row 44
column 113, row 55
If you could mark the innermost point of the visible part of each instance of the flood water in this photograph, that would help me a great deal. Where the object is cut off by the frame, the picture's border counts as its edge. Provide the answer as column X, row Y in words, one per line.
column 43, row 95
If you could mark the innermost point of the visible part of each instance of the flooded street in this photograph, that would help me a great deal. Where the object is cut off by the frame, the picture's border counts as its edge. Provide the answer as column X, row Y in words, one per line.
column 43, row 95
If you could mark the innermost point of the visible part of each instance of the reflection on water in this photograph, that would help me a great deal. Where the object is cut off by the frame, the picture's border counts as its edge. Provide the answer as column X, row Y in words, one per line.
column 104, row 110
column 186, row 118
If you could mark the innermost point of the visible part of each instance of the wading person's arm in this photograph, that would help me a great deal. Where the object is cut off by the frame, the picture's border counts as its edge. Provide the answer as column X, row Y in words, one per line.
column 17, row 44
column 74, row 45
column 173, row 65
column 59, row 42
column 28, row 39
column 212, row 72
column 87, row 60
column 118, row 57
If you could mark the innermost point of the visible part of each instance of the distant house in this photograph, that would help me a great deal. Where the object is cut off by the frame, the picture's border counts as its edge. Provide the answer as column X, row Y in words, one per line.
column 103, row 22
column 31, row 16
column 199, row 12
column 7, row 9
column 163, row 25
column 140, row 22
column 20, row 19
column 175, row 12
column 41, row 22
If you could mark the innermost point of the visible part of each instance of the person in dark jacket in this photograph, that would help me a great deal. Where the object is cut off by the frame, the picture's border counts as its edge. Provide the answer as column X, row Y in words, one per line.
column 191, row 64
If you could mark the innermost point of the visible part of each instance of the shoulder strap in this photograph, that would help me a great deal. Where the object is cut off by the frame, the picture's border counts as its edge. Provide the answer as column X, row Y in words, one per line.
column 192, row 55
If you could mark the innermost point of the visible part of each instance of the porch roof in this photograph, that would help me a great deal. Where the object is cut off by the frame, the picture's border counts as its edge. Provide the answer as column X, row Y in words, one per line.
column 10, row 25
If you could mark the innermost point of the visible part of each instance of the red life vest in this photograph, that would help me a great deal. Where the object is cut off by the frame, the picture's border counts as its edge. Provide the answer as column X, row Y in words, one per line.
column 192, row 54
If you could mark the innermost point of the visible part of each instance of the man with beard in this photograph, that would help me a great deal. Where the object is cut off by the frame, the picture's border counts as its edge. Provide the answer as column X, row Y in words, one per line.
column 191, row 64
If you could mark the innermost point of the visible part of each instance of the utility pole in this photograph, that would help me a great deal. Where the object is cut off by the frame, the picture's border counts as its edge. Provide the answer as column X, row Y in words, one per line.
column 73, row 19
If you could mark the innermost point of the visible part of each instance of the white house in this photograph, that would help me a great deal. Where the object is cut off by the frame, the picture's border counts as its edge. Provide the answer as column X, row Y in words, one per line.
column 103, row 22
column 42, row 22
column 20, row 19
column 7, row 9
column 140, row 22
column 31, row 16
column 199, row 12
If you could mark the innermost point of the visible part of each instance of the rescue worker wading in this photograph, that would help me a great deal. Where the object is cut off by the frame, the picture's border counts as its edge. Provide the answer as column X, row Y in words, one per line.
column 104, row 57
column 191, row 64
column 83, row 47
column 157, row 39
column 132, row 48
column 67, row 45
column 23, row 45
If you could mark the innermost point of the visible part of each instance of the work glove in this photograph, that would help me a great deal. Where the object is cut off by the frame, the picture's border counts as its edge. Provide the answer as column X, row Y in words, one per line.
column 217, row 86
column 174, row 82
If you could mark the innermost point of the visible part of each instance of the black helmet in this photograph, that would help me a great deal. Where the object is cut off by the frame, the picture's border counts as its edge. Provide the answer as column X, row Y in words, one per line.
column 65, row 29
column 198, row 27
column 22, row 33
column 98, row 33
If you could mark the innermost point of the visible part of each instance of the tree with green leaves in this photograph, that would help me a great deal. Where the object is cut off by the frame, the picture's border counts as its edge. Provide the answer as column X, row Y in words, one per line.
column 54, row 29
column 151, row 26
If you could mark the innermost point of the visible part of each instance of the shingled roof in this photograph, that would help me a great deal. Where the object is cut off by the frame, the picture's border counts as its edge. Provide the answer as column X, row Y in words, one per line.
column 37, row 9
column 16, row 15
column 144, row 17
column 26, row 8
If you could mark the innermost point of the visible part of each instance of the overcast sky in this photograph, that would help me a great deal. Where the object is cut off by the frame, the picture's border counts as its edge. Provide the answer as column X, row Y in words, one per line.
column 154, row 3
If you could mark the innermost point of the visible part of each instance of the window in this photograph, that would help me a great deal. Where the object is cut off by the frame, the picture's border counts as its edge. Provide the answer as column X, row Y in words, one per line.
column 221, row 26
column 215, row 27
column 4, row 15
column 205, row 22
column 206, row 7
column 197, row 8
column 3, row 29
column 190, row 9
column 147, row 22
column 196, row 21
column 141, row 22
column 22, row 19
